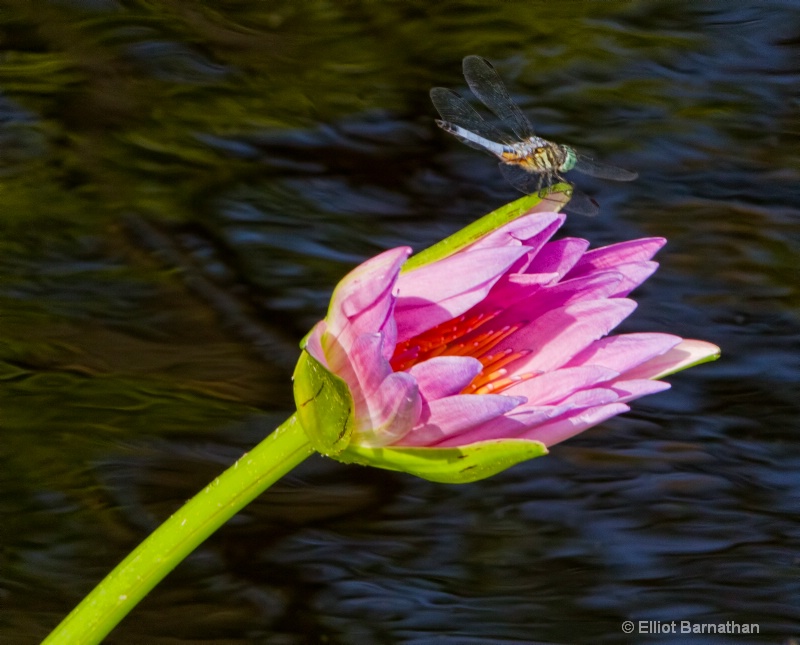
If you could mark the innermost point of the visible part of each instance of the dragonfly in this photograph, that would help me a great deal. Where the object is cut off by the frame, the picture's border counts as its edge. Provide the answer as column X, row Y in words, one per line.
column 528, row 162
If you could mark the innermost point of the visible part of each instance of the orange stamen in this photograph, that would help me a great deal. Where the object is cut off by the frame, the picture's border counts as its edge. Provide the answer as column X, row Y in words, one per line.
column 496, row 361
column 439, row 340
column 493, row 371
column 502, row 384
column 447, row 339
column 485, row 342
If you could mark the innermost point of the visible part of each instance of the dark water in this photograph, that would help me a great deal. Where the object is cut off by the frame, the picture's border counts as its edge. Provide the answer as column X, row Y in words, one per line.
column 180, row 188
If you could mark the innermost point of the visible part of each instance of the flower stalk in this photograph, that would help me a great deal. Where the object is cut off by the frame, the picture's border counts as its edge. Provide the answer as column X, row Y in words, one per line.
column 181, row 534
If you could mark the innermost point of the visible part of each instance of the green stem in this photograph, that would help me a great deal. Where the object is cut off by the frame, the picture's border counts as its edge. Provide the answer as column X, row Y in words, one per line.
column 181, row 534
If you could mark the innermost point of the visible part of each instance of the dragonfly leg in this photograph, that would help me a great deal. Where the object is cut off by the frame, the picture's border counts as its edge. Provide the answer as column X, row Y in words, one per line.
column 540, row 191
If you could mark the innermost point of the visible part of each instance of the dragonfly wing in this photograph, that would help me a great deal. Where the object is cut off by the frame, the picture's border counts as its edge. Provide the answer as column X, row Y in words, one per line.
column 602, row 171
column 581, row 204
column 521, row 179
column 455, row 109
column 486, row 84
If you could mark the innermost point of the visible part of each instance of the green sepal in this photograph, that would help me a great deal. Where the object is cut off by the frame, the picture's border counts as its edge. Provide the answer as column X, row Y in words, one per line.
column 700, row 361
column 557, row 196
column 460, row 465
column 324, row 406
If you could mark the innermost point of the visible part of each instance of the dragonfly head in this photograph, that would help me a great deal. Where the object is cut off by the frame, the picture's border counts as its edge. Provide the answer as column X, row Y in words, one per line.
column 570, row 160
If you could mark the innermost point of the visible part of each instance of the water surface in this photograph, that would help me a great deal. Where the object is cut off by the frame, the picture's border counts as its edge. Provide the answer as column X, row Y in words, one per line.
column 181, row 188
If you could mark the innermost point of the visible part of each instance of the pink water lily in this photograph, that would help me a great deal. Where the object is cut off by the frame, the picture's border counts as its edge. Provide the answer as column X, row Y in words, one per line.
column 504, row 338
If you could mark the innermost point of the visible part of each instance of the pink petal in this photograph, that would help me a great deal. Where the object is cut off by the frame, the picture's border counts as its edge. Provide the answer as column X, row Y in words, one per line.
column 592, row 287
column 443, row 290
column 574, row 423
column 313, row 342
column 634, row 273
column 445, row 375
column 454, row 414
column 683, row 355
column 536, row 422
column 537, row 242
column 631, row 389
column 362, row 302
column 517, row 280
column 553, row 387
column 367, row 368
column 596, row 286
column 591, row 397
column 392, row 410
column 523, row 301
column 389, row 333
column 530, row 230
column 624, row 352
column 559, row 256
column 508, row 426
column 614, row 255
column 367, row 284
column 556, row 336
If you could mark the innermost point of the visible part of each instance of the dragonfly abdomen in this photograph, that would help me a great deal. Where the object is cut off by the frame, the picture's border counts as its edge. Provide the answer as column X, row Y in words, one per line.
column 470, row 138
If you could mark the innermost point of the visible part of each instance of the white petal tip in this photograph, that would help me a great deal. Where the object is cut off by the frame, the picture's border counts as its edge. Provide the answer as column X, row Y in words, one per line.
column 685, row 354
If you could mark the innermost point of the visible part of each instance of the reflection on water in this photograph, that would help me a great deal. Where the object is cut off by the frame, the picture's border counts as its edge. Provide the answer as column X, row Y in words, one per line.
column 182, row 187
